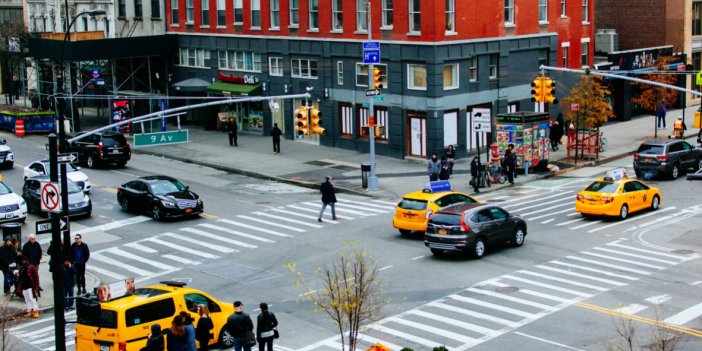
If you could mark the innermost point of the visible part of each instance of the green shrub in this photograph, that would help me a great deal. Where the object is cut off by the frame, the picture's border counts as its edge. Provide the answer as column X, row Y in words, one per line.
column 406, row 349
column 440, row 348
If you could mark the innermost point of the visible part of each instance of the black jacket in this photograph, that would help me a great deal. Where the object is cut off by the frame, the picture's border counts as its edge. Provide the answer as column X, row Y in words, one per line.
column 238, row 323
column 232, row 127
column 510, row 159
column 475, row 169
column 328, row 194
column 276, row 133
column 80, row 253
column 202, row 331
column 32, row 252
column 266, row 322
column 69, row 276
column 7, row 256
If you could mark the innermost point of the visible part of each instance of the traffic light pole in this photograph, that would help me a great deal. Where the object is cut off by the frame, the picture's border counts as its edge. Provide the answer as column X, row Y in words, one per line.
column 372, row 178
column 57, row 262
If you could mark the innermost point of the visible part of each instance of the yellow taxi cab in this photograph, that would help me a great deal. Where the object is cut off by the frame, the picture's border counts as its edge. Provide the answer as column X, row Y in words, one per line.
column 124, row 323
column 616, row 195
column 415, row 209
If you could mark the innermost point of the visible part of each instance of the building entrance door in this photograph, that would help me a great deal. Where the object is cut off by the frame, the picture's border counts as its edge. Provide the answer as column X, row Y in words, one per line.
column 418, row 137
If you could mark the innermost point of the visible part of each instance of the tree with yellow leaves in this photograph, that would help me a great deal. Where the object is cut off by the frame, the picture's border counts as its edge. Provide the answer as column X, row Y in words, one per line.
column 593, row 107
column 651, row 96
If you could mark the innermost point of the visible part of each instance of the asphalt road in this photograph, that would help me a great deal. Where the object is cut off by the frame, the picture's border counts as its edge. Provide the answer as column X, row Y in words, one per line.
column 559, row 291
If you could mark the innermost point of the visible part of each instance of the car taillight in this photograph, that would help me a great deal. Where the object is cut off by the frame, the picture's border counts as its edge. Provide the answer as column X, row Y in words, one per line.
column 122, row 346
column 99, row 147
column 126, row 145
column 429, row 214
column 636, row 157
column 662, row 158
column 579, row 197
column 464, row 226
column 607, row 199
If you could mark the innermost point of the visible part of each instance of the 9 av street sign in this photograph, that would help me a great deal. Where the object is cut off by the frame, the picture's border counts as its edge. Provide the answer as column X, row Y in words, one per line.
column 161, row 138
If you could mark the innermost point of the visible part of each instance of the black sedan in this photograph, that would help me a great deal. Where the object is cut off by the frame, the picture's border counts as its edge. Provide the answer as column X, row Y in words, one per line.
column 159, row 196
column 470, row 228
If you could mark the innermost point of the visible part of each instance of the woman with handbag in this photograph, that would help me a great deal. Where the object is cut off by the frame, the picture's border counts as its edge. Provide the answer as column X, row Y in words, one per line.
column 204, row 327
column 266, row 328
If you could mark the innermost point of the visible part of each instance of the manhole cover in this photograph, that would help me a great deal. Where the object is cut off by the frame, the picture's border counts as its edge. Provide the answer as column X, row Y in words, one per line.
column 684, row 252
column 507, row 289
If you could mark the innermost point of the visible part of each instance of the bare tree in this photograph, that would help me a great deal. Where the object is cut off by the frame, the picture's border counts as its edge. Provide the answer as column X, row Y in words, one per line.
column 663, row 337
column 7, row 320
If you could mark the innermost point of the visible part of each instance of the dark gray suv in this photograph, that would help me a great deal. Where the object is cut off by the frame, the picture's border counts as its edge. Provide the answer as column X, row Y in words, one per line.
column 666, row 157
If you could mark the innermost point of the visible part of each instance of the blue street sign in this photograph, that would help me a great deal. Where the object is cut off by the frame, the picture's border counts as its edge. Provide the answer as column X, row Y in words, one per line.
column 371, row 45
column 371, row 56
column 96, row 73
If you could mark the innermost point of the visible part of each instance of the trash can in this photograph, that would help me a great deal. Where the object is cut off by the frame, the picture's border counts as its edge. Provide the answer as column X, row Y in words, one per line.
column 12, row 231
column 365, row 169
column 698, row 118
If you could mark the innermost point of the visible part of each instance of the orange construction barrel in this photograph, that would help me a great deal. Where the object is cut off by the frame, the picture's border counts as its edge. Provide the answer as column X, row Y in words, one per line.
column 19, row 128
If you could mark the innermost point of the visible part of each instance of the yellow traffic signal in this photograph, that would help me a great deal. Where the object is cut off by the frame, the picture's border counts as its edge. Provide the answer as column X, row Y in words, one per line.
column 537, row 89
column 377, row 78
column 301, row 121
column 316, row 123
column 549, row 87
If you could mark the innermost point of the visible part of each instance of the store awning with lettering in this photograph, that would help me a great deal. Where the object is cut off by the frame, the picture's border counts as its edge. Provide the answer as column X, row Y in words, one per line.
column 234, row 89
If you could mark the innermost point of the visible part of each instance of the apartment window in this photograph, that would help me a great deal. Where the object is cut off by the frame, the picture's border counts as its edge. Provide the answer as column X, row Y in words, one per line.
column 193, row 57
column 205, row 4
column 509, row 12
column 417, row 77
column 493, row 66
column 138, row 9
column 337, row 16
column 314, row 14
column 174, row 11
column 697, row 18
column 450, row 16
column 302, row 68
column 85, row 24
column 275, row 14
column 584, row 50
column 563, row 8
column 415, row 23
column 275, row 66
column 386, row 11
column 346, row 120
column 155, row 9
column 586, row 17
column 340, row 72
column 221, row 13
column 294, row 9
column 122, row 8
column 256, row 13
column 473, row 69
column 189, row 11
column 238, row 11
column 361, row 15
column 564, row 48
column 239, row 60
column 451, row 76
column 362, row 74
column 543, row 10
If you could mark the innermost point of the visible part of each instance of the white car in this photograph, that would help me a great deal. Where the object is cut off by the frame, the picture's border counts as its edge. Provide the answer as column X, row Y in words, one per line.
column 12, row 206
column 7, row 158
column 72, row 172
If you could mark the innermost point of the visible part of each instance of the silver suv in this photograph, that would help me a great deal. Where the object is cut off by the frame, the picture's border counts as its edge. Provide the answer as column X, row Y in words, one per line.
column 666, row 157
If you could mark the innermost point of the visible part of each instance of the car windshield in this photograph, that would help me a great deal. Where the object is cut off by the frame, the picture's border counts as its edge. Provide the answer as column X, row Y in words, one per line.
column 69, row 168
column 4, row 189
column 650, row 149
column 73, row 188
column 113, row 140
column 163, row 187
column 412, row 204
column 446, row 219
column 603, row 187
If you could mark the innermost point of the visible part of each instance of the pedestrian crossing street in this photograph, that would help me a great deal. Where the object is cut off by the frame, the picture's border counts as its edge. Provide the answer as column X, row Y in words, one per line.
column 500, row 305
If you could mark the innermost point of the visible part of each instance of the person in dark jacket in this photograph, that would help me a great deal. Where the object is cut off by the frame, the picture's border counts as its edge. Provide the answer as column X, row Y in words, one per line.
column 265, row 324
column 155, row 342
column 475, row 168
column 328, row 198
column 203, row 331
column 69, row 282
column 25, row 285
column 80, row 254
column 562, row 123
column 232, row 130
column 189, row 331
column 8, row 256
column 451, row 157
column 510, row 161
column 32, row 251
column 238, row 323
column 276, row 133
column 555, row 133
column 433, row 167
column 175, row 336
column 445, row 171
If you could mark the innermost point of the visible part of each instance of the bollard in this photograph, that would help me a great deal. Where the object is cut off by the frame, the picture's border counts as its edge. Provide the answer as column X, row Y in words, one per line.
column 526, row 168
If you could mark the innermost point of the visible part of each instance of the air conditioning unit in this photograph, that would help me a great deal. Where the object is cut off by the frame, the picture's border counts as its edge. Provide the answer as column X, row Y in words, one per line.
column 606, row 41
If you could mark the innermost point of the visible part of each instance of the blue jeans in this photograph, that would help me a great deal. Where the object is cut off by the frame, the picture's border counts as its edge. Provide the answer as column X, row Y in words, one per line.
column 661, row 119
column 324, row 207
column 68, row 294
column 239, row 345
column 7, row 274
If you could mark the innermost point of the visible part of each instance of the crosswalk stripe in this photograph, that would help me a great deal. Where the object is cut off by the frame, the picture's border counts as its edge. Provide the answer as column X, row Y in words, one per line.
column 631, row 309
column 288, row 220
column 567, row 281
column 102, row 258
column 201, row 243
column 218, row 237
column 119, row 252
column 371, row 340
column 314, row 218
column 562, row 271
column 569, row 222
column 636, row 263
column 50, row 339
column 263, row 230
column 587, row 224
column 547, row 286
column 342, row 210
column 386, row 208
column 183, row 249
column 230, row 231
column 516, row 199
column 410, row 337
column 545, row 209
column 635, row 255
column 561, row 198
column 140, row 247
column 491, row 305
column 600, row 271
column 451, row 321
column 393, row 204
column 272, row 224
column 307, row 209
column 114, row 225
column 474, row 314
column 551, row 214
column 645, row 251
column 685, row 316
column 576, row 258
column 333, row 344
column 182, row 260
column 510, row 298
column 434, row 330
column 631, row 219
column 34, row 332
column 105, row 272
column 358, row 207
column 539, row 200
column 532, row 292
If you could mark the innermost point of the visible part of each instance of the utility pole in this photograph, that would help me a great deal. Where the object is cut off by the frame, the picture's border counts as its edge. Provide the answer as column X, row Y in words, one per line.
column 57, row 262
column 372, row 178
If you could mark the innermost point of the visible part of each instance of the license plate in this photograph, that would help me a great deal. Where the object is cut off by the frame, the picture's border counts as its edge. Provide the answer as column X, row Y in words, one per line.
column 648, row 159
column 188, row 210
column 104, row 347
column 442, row 231
column 115, row 151
column 592, row 202
column 8, row 215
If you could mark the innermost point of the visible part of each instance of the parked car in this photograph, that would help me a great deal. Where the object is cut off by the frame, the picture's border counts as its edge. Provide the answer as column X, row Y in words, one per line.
column 7, row 158
column 101, row 149
column 159, row 196
column 72, row 173
column 12, row 206
column 414, row 209
column 471, row 227
column 666, row 157
column 79, row 203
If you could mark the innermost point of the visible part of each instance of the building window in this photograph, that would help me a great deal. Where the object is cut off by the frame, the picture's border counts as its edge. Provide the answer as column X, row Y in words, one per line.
column 346, row 123
column 697, row 18
column 586, row 17
column 294, row 9
column 174, row 11
column 239, row 60
column 451, row 76
column 256, row 13
column 363, row 119
column 337, row 16
column 122, row 8
column 275, row 14
column 493, row 66
column 85, row 24
column 205, row 4
column 238, row 11
column 189, row 11
column 415, row 23
column 155, row 9
column 450, row 16
column 509, row 12
column 340, row 72
column 473, row 69
column 387, row 13
column 361, row 15
column 543, row 10
column 584, row 46
column 302, row 68
column 221, row 13
column 138, row 9
column 193, row 57
column 362, row 74
column 417, row 77
column 563, row 8
column 275, row 66
column 314, row 14
column 564, row 48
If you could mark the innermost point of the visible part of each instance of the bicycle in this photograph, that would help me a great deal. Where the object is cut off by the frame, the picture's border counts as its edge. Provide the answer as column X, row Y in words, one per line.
column 603, row 142
column 496, row 175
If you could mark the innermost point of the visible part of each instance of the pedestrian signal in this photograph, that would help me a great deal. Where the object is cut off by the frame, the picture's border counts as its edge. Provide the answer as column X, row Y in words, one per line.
column 549, row 91
column 377, row 78
column 301, row 121
column 315, row 122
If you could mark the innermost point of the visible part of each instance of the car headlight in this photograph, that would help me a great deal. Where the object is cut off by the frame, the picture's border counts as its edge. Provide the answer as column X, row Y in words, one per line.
column 199, row 201
column 168, row 204
column 22, row 202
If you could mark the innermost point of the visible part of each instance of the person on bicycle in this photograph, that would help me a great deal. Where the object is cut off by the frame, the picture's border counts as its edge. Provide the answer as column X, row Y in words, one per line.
column 510, row 163
column 475, row 168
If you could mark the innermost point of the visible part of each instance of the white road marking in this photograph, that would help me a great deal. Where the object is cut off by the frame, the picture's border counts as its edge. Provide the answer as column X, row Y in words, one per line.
column 546, row 208
column 120, row 252
column 312, row 218
column 418, row 257
column 548, row 221
column 551, row 214
column 685, row 315
column 268, row 231
column 371, row 340
column 371, row 204
column 102, row 258
column 238, row 233
column 384, row 268
column 105, row 272
column 549, row 342
column 206, row 244
column 471, row 313
column 510, row 298
column 636, row 263
column 385, row 202
column 183, row 249
column 651, row 252
column 279, row 218
column 569, row 222
column 139, row 246
column 696, row 283
column 342, row 210
column 635, row 255
column 532, row 292
column 631, row 309
column 434, row 330
column 562, row 271
column 218, row 238
column 535, row 200
column 586, row 224
column 563, row 201
column 113, row 225
column 609, row 265
column 410, row 337
column 548, row 286
column 657, row 300
column 271, row 223
column 632, row 219
column 491, row 305
column 359, row 207
column 181, row 260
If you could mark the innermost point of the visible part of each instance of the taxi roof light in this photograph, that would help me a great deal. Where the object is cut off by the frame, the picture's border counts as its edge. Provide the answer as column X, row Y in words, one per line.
column 437, row 186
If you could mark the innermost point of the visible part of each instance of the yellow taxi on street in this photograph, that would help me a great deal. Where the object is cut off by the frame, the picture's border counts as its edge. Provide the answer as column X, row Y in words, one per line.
column 617, row 195
column 415, row 209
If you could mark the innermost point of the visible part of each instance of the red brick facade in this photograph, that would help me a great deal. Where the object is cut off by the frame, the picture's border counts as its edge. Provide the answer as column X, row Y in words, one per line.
column 639, row 23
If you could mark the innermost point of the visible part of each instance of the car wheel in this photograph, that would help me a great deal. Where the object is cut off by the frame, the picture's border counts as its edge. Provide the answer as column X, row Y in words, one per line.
column 675, row 172
column 624, row 211
column 518, row 237
column 437, row 252
column 90, row 162
column 655, row 202
column 698, row 164
column 121, row 164
column 226, row 340
column 125, row 204
column 156, row 213
column 479, row 248
column 405, row 232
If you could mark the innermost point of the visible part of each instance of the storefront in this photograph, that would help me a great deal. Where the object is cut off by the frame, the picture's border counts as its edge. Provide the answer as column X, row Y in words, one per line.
column 248, row 114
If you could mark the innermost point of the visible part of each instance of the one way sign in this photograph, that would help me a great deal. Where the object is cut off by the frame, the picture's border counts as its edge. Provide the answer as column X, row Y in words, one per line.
column 46, row 226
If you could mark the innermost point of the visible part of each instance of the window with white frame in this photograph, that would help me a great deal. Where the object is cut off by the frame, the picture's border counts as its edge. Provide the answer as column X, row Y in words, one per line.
column 238, row 11
column 337, row 16
column 450, row 128
column 361, row 15
column 294, row 13
column 189, row 11
column 346, row 119
column 584, row 47
column 362, row 74
column 255, row 13
column 340, row 72
column 451, row 76
column 193, row 57
column 415, row 16
column 564, row 50
column 586, row 15
column 138, row 9
column 493, row 66
column 563, row 8
column 697, row 18
column 509, row 12
column 450, row 16
column 121, row 8
column 473, row 69
column 543, row 10
column 417, row 77
column 174, row 11
column 313, row 11
column 205, row 5
column 239, row 60
column 275, row 66
column 221, row 13
column 303, row 68
column 275, row 14
column 386, row 11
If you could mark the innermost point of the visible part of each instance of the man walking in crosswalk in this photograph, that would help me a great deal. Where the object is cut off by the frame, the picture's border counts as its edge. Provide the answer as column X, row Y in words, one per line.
column 328, row 198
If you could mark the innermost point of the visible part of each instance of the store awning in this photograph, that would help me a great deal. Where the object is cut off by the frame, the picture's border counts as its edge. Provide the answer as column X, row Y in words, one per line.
column 192, row 85
column 234, row 89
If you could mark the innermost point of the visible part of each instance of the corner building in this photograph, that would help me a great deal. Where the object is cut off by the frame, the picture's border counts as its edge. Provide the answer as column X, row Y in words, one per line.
column 441, row 62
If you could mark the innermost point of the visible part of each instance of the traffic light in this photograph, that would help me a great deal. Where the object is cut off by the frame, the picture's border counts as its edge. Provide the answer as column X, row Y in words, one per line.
column 549, row 91
column 537, row 89
column 378, row 130
column 316, row 122
column 301, row 121
column 377, row 79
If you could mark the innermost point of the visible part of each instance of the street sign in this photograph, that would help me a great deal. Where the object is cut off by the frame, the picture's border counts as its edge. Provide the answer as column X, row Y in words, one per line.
column 378, row 98
column 482, row 127
column 96, row 73
column 100, row 81
column 574, row 107
column 371, row 44
column 372, row 92
column 50, row 198
column 481, row 119
column 162, row 138
column 45, row 226
column 371, row 55
column 67, row 158
column 365, row 105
